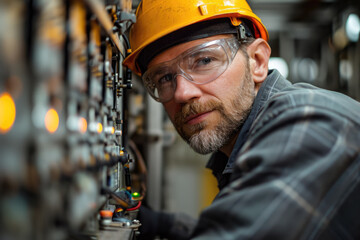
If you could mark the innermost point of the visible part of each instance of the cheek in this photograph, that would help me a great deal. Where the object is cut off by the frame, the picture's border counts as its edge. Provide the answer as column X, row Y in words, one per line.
column 171, row 109
column 234, row 79
column 225, row 85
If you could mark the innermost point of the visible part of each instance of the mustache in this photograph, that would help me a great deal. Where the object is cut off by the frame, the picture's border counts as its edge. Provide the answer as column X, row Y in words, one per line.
column 196, row 107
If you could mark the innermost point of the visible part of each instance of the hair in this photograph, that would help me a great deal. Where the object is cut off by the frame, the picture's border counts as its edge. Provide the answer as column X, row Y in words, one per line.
column 245, row 44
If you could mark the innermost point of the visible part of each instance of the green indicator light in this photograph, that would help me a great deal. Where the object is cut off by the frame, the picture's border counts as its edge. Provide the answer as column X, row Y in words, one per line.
column 135, row 194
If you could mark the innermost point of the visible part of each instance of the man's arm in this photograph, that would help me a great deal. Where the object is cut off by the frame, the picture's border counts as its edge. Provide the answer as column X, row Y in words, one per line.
column 175, row 226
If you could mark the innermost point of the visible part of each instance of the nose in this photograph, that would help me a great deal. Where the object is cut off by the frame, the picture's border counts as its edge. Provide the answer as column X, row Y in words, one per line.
column 185, row 90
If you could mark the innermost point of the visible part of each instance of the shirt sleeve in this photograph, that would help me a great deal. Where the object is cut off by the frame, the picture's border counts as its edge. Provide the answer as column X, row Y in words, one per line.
column 297, row 177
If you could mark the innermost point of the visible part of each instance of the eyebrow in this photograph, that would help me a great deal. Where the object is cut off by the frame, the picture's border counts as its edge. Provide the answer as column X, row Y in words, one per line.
column 161, row 71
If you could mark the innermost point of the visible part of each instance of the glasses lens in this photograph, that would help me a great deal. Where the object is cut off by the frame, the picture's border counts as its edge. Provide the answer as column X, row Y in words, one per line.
column 201, row 64
column 206, row 64
column 159, row 83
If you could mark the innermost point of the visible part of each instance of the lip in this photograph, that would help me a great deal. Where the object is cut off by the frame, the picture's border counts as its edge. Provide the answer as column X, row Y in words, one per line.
column 197, row 118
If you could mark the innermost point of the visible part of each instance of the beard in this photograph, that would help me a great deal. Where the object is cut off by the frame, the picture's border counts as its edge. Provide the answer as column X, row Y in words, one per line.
column 207, row 140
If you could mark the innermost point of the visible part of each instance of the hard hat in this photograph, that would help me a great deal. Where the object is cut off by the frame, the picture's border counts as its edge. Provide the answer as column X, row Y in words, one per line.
column 158, row 18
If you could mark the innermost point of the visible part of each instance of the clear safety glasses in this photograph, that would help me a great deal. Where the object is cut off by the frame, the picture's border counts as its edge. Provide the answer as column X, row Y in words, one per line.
column 201, row 64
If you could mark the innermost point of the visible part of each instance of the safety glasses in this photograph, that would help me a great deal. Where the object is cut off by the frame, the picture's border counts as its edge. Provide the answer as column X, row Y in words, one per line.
column 200, row 65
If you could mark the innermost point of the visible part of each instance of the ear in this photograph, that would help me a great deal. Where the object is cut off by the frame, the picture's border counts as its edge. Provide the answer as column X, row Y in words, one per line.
column 259, row 53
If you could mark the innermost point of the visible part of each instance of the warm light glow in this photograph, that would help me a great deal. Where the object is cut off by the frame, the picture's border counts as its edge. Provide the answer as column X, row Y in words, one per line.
column 7, row 112
column 109, row 130
column 51, row 120
column 82, row 125
column 99, row 127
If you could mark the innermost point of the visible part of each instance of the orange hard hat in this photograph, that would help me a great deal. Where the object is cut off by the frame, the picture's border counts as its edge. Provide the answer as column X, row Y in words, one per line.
column 158, row 18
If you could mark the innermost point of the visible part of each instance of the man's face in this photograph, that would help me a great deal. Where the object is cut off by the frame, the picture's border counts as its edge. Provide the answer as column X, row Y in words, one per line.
column 208, row 116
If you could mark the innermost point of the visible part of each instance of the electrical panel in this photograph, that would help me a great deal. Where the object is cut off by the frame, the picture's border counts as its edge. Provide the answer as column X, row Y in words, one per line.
column 64, row 161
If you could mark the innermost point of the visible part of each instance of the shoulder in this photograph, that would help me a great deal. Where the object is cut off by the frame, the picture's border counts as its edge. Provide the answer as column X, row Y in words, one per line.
column 304, row 99
column 302, row 115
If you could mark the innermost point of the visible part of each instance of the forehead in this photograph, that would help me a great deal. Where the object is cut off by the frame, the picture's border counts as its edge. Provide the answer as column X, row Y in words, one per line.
column 176, row 50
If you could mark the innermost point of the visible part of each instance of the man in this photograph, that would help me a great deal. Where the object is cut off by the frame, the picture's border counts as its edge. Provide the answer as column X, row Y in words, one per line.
column 286, row 157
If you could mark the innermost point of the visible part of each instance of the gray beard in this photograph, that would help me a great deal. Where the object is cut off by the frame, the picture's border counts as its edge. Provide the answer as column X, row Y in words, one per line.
column 208, row 141
column 205, row 141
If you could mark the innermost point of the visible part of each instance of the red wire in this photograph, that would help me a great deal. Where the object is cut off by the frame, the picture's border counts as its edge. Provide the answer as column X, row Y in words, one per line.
column 134, row 208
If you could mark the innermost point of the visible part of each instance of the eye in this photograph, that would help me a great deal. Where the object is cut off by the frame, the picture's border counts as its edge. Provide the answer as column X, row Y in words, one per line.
column 204, row 61
column 165, row 79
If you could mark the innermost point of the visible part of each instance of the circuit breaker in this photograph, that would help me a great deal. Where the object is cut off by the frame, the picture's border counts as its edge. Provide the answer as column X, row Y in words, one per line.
column 64, row 168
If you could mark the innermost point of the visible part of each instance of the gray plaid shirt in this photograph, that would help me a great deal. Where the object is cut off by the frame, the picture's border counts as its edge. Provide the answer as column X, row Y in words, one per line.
column 294, row 172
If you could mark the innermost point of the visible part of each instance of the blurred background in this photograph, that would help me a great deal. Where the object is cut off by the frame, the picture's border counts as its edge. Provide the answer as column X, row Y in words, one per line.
column 74, row 124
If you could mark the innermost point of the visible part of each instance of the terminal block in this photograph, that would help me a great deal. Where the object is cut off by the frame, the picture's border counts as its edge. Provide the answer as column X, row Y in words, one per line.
column 63, row 126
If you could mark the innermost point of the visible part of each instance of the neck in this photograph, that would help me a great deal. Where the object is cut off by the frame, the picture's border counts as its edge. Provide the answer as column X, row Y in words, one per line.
column 227, row 148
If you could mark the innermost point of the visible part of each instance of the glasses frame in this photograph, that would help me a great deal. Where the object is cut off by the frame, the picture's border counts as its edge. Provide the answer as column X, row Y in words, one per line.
column 230, row 46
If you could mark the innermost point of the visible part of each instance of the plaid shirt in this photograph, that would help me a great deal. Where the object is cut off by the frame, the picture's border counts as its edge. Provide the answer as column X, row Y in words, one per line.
column 294, row 172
